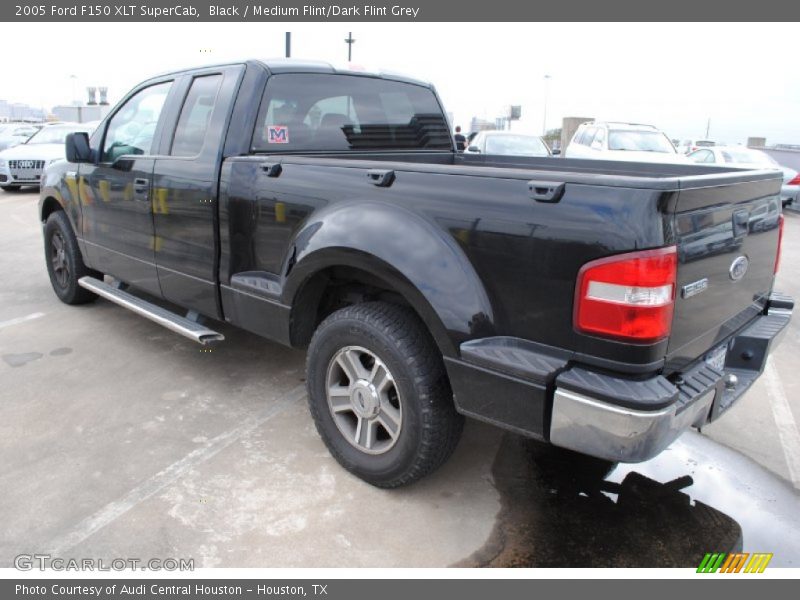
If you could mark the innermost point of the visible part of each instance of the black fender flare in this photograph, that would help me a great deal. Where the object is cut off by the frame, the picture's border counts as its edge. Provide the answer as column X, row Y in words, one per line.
column 413, row 256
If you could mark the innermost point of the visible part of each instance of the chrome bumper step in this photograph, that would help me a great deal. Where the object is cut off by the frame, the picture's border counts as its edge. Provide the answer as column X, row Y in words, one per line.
column 185, row 327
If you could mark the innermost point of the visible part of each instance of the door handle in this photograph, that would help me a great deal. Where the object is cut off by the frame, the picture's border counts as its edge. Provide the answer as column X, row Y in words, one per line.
column 272, row 169
column 546, row 191
column 141, row 186
column 380, row 177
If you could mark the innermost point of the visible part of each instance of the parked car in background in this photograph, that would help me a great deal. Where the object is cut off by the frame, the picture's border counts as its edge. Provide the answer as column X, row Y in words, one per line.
column 687, row 146
column 507, row 143
column 747, row 158
column 14, row 134
column 23, row 164
column 622, row 141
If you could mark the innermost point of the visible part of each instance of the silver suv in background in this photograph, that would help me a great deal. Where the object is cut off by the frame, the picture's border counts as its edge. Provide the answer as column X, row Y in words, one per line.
column 622, row 141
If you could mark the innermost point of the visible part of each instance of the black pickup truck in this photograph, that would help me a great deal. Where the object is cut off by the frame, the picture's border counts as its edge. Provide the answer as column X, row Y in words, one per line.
column 602, row 307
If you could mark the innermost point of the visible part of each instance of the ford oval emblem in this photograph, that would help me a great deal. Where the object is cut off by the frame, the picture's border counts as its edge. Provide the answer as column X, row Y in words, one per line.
column 739, row 268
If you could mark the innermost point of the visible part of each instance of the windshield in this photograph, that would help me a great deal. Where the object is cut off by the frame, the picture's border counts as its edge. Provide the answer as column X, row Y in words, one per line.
column 744, row 155
column 639, row 141
column 53, row 135
column 515, row 145
column 16, row 131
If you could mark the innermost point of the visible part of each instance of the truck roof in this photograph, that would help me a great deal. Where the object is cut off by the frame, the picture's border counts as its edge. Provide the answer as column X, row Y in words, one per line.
column 295, row 65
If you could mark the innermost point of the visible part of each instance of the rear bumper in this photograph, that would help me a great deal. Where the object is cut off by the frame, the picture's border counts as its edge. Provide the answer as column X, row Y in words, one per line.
column 609, row 418
column 541, row 392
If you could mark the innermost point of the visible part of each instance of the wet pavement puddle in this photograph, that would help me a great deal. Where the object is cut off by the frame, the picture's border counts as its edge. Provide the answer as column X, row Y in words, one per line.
column 561, row 509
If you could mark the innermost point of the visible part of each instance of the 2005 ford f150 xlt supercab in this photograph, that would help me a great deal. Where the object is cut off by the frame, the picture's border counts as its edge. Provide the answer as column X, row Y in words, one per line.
column 603, row 307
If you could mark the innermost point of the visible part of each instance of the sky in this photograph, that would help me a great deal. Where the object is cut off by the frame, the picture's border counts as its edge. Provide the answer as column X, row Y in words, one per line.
column 743, row 77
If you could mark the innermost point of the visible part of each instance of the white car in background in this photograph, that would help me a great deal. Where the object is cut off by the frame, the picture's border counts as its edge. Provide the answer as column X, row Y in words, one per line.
column 623, row 141
column 747, row 158
column 687, row 146
column 507, row 143
column 24, row 164
column 14, row 134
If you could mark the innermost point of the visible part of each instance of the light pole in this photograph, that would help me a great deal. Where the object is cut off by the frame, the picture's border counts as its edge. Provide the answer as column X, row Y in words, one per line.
column 546, row 90
column 350, row 41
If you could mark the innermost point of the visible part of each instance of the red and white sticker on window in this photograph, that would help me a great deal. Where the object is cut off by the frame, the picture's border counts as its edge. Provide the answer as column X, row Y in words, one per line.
column 277, row 134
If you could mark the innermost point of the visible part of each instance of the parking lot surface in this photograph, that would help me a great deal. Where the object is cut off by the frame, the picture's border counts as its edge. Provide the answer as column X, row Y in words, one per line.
column 122, row 439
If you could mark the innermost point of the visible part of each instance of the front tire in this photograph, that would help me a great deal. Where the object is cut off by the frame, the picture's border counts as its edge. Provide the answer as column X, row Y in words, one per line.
column 64, row 261
column 379, row 395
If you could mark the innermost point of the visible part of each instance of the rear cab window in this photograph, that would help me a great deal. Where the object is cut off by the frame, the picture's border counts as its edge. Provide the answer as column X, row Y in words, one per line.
column 330, row 112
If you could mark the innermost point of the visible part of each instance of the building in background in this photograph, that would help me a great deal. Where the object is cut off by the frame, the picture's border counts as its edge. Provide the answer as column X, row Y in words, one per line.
column 19, row 111
column 85, row 113
column 477, row 124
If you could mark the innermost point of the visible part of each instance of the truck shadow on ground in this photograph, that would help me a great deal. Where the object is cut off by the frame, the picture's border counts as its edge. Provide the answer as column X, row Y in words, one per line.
column 559, row 509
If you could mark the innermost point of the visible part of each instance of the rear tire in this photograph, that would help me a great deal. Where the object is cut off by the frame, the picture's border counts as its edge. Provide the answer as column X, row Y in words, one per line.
column 379, row 394
column 64, row 261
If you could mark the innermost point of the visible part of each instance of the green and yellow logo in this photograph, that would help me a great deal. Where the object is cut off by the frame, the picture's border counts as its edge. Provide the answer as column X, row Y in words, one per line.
column 736, row 562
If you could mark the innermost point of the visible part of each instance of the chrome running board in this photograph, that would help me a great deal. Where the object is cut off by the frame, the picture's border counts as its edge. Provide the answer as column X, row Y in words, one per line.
column 186, row 327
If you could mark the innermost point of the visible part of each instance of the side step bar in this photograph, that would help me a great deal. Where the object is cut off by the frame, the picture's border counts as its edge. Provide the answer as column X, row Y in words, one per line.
column 185, row 327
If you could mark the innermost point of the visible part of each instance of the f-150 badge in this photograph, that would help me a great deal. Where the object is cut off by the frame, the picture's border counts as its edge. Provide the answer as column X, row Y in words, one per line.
column 694, row 288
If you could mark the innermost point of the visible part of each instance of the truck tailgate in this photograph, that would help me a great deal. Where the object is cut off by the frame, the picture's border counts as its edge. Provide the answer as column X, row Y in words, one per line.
column 727, row 239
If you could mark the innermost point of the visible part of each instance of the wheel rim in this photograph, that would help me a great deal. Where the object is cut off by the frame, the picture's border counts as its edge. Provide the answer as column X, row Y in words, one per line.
column 58, row 259
column 364, row 400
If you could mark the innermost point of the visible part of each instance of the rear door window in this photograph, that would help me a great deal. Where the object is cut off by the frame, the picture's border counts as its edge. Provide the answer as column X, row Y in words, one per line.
column 190, row 133
column 308, row 112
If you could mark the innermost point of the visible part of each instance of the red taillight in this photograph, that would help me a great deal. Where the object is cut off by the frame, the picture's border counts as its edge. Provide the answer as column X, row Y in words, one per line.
column 628, row 296
column 780, row 243
column 795, row 181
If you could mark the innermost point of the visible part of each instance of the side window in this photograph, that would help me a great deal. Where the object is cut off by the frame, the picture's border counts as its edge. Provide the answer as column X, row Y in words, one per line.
column 190, row 134
column 132, row 128
column 702, row 156
column 600, row 137
column 588, row 136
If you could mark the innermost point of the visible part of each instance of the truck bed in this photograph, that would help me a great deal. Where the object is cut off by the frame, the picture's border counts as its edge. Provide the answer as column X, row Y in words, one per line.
column 521, row 253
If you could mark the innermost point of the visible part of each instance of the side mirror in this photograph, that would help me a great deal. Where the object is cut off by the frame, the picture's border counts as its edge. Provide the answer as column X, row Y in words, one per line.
column 474, row 149
column 597, row 146
column 78, row 149
column 556, row 151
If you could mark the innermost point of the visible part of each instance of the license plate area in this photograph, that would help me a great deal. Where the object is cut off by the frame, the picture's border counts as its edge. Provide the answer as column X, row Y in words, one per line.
column 716, row 358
